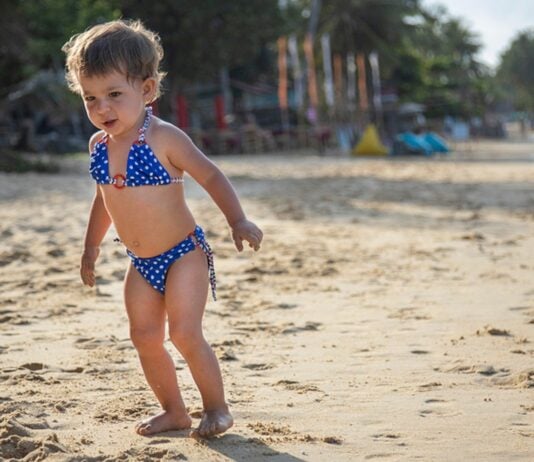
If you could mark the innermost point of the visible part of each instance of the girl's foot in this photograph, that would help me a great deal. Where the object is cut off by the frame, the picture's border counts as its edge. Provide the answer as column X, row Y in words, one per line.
column 213, row 423
column 163, row 422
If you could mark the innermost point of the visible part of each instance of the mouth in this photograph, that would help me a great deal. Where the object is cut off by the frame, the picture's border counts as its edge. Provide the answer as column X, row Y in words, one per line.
column 110, row 123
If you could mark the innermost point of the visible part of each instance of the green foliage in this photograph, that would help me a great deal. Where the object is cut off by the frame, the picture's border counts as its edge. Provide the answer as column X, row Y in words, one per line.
column 366, row 25
column 516, row 71
column 32, row 33
column 202, row 36
column 443, row 71
column 51, row 23
column 15, row 162
column 13, row 43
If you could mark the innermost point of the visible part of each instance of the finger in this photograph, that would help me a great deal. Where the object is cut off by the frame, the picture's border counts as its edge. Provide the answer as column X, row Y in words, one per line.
column 258, row 236
column 238, row 243
column 88, row 278
column 254, row 244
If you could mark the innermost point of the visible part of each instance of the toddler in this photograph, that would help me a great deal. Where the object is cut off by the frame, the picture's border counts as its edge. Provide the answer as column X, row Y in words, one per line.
column 138, row 162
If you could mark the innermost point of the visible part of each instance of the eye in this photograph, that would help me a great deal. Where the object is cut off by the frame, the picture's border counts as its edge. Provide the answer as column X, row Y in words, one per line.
column 88, row 98
column 115, row 94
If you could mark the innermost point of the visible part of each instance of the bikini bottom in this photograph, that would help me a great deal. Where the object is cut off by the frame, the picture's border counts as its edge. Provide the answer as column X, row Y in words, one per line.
column 154, row 269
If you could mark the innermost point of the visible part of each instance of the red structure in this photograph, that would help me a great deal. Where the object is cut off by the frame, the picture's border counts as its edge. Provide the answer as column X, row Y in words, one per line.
column 219, row 112
column 182, row 115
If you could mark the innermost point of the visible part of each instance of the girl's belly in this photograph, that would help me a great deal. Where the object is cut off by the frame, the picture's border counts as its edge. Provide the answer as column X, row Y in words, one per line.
column 149, row 219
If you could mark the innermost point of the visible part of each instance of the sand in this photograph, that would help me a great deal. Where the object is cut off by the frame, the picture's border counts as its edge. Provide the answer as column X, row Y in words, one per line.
column 389, row 315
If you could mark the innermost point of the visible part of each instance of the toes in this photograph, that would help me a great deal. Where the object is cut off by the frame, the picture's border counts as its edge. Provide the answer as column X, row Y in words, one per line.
column 213, row 429
column 201, row 429
column 144, row 429
column 211, row 425
column 207, row 429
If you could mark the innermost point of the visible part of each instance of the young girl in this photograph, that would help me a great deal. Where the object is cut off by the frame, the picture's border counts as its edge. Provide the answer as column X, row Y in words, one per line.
column 138, row 162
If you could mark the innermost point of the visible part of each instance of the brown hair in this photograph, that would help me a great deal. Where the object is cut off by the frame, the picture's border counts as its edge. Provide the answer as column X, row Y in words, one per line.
column 122, row 46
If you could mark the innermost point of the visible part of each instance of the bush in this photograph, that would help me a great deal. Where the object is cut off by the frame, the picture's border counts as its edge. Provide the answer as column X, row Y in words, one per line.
column 17, row 162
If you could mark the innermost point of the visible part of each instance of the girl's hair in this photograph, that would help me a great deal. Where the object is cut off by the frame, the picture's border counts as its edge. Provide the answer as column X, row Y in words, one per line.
column 123, row 46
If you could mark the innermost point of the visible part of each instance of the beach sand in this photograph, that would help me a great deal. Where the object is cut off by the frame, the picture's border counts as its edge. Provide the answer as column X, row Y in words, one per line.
column 389, row 315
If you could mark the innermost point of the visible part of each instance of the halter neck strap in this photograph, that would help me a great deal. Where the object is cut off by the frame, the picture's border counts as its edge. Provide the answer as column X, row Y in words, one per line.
column 146, row 123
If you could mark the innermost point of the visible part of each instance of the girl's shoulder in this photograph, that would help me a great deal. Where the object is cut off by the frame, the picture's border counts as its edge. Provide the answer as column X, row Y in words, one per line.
column 163, row 129
column 95, row 138
column 166, row 134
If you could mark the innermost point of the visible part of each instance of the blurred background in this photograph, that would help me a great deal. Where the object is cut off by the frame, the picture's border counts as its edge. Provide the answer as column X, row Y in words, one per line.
column 279, row 75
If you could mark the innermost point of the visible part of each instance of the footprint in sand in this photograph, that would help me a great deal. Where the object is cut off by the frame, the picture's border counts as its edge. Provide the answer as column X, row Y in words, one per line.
column 9, row 316
column 55, row 270
column 56, row 252
column 282, row 433
column 146, row 454
column 408, row 313
column 298, row 387
column 227, row 354
column 381, row 455
column 33, row 366
column 527, row 311
column 438, row 407
column 523, row 379
column 233, row 342
column 18, row 255
column 118, row 275
column 18, row 440
column 258, row 366
column 91, row 343
column 494, row 331
column 308, row 326
column 281, row 306
column 482, row 369
column 122, row 408
column 429, row 386
column 386, row 436
column 6, row 233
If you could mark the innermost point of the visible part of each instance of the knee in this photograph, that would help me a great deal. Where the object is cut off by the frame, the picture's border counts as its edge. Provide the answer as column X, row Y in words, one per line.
column 146, row 340
column 186, row 340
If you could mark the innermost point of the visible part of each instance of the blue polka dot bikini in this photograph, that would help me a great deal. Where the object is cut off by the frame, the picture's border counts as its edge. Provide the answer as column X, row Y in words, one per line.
column 144, row 168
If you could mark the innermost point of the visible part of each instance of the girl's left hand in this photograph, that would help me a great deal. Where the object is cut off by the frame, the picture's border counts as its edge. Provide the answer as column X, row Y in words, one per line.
column 245, row 230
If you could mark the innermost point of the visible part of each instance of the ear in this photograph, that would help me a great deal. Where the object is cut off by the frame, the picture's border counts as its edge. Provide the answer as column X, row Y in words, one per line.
column 149, row 89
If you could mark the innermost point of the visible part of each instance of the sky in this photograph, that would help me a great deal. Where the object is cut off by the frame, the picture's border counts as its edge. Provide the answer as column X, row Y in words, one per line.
column 496, row 22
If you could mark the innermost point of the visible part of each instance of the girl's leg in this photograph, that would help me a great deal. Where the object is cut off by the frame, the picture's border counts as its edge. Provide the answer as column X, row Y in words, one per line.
column 146, row 312
column 186, row 292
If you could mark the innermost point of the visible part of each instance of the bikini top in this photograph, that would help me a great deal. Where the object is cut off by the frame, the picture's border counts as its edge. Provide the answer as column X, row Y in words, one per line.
column 142, row 165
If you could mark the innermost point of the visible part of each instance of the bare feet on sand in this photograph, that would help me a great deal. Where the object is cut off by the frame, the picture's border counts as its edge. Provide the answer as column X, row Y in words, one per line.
column 213, row 422
column 163, row 422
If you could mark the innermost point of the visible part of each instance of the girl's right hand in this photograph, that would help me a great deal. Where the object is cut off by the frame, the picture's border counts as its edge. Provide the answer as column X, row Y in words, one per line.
column 87, row 267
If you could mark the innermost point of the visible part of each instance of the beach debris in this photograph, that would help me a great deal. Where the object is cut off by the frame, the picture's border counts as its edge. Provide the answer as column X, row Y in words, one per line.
column 495, row 331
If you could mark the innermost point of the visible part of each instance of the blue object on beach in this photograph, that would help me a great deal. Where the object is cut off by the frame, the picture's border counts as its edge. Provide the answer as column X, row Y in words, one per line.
column 437, row 143
column 416, row 143
column 343, row 138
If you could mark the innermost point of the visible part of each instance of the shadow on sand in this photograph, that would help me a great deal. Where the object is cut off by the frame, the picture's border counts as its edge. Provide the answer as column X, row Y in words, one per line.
column 243, row 449
column 236, row 447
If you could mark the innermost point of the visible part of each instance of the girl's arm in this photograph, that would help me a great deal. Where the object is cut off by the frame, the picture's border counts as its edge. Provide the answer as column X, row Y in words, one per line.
column 187, row 157
column 99, row 223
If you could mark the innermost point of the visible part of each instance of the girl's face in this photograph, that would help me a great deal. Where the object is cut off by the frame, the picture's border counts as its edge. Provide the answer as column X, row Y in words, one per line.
column 116, row 105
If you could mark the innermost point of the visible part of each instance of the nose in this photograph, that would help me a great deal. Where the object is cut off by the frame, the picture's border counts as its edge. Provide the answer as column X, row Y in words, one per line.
column 101, row 106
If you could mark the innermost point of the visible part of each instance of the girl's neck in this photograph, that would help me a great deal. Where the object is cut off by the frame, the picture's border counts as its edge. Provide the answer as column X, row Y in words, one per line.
column 133, row 134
